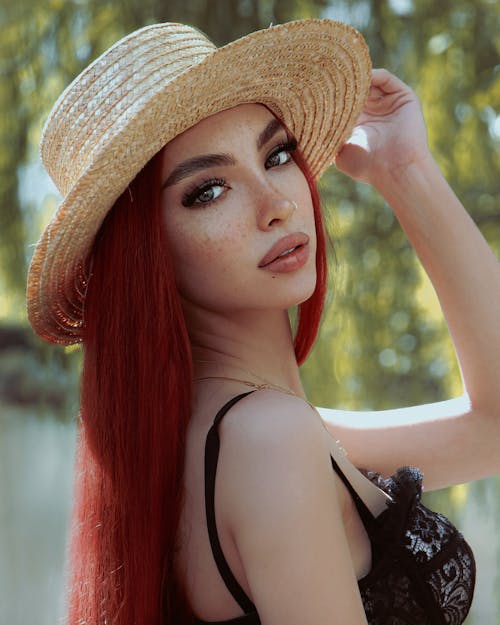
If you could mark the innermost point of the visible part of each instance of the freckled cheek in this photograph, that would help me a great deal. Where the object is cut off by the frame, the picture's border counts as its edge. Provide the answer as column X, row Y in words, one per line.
column 209, row 250
column 211, row 266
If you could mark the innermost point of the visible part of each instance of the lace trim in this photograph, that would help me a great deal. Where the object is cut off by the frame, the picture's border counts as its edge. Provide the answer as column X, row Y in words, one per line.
column 423, row 571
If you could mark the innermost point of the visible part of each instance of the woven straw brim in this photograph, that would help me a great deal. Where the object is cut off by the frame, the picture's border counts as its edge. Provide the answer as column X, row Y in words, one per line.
column 314, row 75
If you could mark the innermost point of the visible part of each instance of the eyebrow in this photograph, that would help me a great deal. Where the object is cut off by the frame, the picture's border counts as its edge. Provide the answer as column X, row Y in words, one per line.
column 268, row 133
column 192, row 165
column 198, row 163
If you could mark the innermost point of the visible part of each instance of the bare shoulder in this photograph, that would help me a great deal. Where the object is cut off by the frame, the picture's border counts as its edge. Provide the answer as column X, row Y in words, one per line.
column 270, row 421
column 273, row 448
column 281, row 508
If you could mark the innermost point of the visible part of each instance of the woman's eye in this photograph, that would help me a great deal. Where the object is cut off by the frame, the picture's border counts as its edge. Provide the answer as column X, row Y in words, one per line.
column 281, row 155
column 210, row 194
column 204, row 194
column 278, row 158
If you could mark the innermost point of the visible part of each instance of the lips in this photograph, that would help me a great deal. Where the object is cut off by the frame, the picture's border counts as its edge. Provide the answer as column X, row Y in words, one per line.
column 286, row 246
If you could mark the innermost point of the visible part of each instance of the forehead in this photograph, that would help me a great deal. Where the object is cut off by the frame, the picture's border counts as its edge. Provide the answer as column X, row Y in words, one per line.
column 222, row 128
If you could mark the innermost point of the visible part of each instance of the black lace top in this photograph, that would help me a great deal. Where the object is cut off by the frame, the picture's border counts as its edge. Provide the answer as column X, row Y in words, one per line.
column 423, row 571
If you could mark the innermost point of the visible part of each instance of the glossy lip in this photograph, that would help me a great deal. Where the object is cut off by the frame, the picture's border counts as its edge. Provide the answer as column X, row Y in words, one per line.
column 286, row 243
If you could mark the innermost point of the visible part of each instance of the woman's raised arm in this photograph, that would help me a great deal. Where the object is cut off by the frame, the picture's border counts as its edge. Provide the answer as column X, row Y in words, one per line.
column 462, row 440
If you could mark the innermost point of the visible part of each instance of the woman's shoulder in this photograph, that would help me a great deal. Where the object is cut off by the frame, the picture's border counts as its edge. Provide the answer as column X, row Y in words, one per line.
column 278, row 501
column 271, row 421
column 269, row 440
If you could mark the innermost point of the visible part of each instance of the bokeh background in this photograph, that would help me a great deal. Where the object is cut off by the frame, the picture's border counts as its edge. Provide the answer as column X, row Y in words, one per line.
column 383, row 342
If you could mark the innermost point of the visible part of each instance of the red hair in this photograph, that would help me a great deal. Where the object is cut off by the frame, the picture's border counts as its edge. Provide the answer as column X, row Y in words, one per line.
column 311, row 310
column 135, row 407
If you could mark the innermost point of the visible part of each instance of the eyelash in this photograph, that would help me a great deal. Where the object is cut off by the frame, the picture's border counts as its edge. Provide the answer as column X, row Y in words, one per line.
column 287, row 146
column 191, row 196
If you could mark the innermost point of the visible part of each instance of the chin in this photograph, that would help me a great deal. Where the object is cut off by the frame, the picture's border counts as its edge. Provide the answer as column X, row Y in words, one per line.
column 300, row 293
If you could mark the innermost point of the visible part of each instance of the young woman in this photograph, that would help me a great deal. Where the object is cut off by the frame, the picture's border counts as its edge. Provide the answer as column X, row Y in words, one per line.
column 208, row 489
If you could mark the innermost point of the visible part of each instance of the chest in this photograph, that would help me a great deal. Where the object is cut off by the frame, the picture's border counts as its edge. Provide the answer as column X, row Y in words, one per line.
column 356, row 535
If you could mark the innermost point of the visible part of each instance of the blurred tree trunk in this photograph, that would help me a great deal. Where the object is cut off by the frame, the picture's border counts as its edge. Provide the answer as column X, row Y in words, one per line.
column 14, row 128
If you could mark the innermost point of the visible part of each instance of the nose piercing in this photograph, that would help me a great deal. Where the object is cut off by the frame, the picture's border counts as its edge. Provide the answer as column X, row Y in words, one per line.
column 294, row 205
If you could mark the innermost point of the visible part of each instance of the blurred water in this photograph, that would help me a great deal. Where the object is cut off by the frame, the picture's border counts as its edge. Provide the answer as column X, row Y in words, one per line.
column 36, row 462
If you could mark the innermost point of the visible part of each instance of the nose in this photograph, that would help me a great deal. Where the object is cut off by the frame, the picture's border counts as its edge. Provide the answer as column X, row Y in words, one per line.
column 274, row 208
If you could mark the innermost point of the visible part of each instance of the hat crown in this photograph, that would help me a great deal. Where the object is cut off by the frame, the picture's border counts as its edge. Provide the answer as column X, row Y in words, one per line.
column 99, row 102
column 151, row 86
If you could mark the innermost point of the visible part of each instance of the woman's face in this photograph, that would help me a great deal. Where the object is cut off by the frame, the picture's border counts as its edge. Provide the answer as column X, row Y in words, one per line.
column 238, row 213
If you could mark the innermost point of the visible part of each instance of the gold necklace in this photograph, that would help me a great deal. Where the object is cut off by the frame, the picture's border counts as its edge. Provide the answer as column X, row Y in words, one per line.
column 260, row 387
column 257, row 385
column 263, row 384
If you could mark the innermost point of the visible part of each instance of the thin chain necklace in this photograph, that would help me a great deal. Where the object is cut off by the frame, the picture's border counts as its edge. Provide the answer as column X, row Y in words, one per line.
column 262, row 385
column 257, row 385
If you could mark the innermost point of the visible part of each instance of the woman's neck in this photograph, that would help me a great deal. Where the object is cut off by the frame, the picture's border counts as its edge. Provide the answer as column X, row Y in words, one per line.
column 252, row 346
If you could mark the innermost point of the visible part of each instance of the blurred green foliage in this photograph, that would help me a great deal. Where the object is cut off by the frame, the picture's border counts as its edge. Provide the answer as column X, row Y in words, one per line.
column 383, row 341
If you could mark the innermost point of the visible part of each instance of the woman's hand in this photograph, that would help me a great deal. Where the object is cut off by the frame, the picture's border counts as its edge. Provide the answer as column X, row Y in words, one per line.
column 390, row 134
column 389, row 150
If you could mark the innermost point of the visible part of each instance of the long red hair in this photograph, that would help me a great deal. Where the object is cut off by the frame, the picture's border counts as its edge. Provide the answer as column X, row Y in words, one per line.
column 135, row 407
column 311, row 310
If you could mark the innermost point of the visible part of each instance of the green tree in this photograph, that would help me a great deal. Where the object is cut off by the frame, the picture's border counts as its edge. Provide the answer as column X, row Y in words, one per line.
column 386, row 346
column 382, row 343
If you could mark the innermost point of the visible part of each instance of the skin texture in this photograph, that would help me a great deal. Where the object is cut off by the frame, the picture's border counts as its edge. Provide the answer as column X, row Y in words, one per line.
column 456, row 440
column 252, row 208
column 288, row 527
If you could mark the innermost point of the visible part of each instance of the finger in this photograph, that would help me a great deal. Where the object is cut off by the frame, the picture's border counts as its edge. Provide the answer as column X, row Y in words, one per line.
column 352, row 160
column 386, row 82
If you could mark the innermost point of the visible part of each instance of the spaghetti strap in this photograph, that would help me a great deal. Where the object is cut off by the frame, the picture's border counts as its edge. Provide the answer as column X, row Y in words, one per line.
column 417, row 554
column 364, row 512
column 212, row 447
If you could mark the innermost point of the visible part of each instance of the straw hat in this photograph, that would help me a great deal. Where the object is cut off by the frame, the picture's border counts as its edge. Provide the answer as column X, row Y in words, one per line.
column 149, row 87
